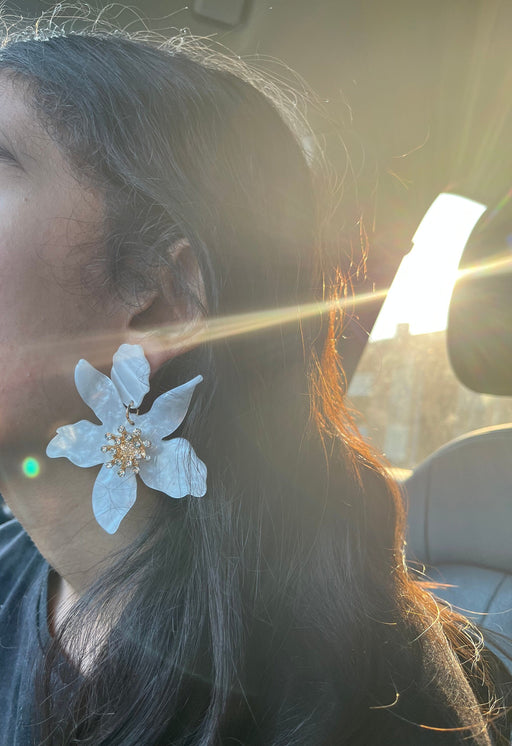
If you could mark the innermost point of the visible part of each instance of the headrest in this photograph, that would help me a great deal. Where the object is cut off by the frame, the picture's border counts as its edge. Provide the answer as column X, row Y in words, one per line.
column 479, row 331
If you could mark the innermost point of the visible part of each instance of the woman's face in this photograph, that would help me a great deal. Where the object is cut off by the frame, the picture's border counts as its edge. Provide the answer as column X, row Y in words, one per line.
column 46, row 322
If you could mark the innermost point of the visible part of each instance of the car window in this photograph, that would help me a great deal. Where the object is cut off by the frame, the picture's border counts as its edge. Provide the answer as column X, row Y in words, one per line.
column 408, row 400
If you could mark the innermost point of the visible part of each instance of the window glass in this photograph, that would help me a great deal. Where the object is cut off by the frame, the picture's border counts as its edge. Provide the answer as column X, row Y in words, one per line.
column 408, row 398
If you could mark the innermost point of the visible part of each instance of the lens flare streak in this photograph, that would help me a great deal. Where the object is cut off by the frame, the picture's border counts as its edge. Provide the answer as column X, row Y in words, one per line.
column 246, row 323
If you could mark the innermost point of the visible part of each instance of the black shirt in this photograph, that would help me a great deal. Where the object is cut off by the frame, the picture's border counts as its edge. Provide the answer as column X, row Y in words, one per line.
column 23, row 632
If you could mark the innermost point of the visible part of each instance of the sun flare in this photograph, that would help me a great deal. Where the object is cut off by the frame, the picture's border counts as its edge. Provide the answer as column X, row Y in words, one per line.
column 420, row 293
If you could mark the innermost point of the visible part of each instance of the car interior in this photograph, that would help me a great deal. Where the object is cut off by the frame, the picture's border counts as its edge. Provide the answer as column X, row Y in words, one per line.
column 460, row 509
column 407, row 101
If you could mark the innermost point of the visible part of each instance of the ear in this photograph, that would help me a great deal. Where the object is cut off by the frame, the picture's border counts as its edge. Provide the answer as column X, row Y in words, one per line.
column 166, row 321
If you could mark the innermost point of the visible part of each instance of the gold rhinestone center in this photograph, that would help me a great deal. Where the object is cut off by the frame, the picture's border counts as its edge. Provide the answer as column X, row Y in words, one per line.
column 126, row 450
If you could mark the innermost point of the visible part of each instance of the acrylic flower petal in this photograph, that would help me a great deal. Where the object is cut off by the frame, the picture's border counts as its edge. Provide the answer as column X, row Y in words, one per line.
column 175, row 469
column 100, row 394
column 169, row 410
column 80, row 443
column 112, row 498
column 130, row 374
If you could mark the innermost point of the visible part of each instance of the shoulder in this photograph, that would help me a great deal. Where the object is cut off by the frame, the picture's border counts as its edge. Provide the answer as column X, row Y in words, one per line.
column 14, row 542
column 19, row 558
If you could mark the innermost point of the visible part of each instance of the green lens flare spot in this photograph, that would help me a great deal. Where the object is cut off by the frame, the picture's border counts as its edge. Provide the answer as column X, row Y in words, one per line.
column 30, row 467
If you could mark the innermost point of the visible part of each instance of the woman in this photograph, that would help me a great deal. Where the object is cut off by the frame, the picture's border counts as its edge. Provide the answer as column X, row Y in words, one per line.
column 144, row 190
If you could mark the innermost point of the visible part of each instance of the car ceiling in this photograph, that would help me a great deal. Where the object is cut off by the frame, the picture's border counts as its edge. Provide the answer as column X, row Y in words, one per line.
column 418, row 94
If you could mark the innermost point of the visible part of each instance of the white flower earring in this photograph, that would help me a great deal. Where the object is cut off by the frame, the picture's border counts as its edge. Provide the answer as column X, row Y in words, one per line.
column 128, row 444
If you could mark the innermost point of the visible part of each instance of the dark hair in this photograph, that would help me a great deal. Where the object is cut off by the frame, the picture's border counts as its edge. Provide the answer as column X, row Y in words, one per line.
column 278, row 609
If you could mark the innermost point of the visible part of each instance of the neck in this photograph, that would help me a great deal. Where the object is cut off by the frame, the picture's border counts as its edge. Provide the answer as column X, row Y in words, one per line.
column 56, row 511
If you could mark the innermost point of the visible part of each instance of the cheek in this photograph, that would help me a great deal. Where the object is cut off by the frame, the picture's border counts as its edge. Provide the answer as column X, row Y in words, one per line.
column 33, row 398
column 37, row 389
column 47, row 322
column 44, row 330
column 42, row 255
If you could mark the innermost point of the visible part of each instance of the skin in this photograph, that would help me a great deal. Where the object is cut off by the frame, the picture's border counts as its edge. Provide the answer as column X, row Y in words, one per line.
column 46, row 325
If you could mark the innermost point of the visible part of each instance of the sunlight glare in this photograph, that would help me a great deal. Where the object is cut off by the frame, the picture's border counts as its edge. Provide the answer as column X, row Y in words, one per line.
column 420, row 293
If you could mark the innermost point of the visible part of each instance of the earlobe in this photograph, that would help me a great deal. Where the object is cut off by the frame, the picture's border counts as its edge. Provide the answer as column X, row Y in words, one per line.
column 169, row 319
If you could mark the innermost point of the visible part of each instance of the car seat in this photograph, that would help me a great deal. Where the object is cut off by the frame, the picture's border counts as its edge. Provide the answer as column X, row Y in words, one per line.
column 460, row 498
column 460, row 521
